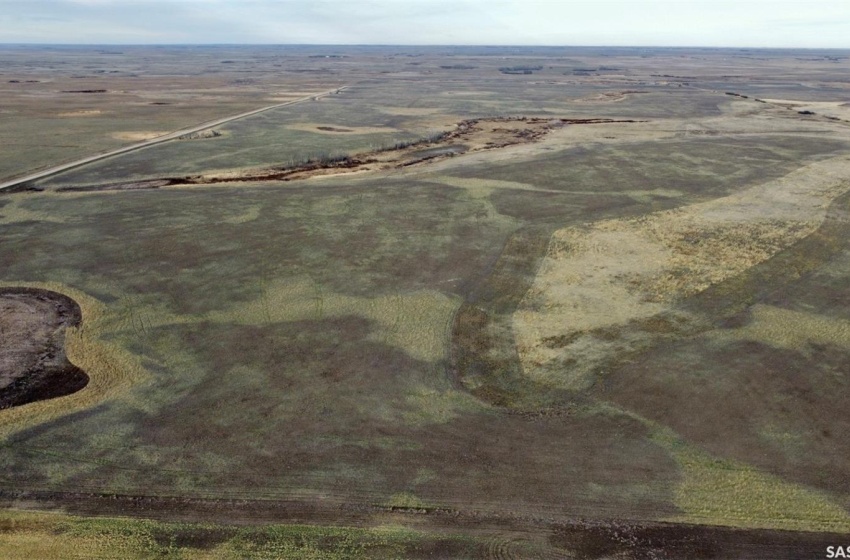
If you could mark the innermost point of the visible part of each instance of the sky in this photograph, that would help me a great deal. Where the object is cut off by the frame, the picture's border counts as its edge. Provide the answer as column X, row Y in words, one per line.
column 712, row 23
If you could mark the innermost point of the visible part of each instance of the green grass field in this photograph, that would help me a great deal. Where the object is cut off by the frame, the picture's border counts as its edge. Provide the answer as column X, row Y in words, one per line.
column 354, row 339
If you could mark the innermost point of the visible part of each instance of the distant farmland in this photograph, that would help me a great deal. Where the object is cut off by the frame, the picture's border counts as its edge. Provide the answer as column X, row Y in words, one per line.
column 483, row 306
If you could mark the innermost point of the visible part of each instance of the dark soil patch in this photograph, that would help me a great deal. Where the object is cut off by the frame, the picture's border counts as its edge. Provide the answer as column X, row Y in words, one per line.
column 333, row 129
column 443, row 533
column 33, row 365
column 203, row 538
column 669, row 541
column 20, row 188
column 422, row 156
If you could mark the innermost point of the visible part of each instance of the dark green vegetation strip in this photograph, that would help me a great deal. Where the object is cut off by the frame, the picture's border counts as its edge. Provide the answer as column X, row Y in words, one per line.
column 484, row 358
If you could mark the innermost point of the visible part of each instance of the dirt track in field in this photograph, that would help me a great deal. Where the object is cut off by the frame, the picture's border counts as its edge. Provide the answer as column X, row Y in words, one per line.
column 503, row 536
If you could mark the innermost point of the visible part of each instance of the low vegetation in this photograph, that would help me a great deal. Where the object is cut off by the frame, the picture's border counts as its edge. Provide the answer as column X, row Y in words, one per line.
column 503, row 316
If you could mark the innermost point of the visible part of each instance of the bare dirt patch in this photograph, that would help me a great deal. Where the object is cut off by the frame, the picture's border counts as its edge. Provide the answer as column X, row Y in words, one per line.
column 33, row 364
column 201, row 135
column 138, row 135
column 82, row 113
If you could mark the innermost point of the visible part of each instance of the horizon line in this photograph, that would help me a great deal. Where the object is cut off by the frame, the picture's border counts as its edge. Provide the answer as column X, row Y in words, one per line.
column 419, row 45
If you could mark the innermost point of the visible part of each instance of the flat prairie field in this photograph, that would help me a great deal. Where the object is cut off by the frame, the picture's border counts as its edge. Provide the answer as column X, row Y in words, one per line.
column 431, row 302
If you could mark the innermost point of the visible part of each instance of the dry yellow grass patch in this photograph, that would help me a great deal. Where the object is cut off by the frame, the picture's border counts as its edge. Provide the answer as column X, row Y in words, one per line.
column 111, row 369
column 432, row 406
column 705, row 252
column 784, row 328
column 249, row 215
column 417, row 322
column 483, row 188
column 615, row 271
column 405, row 500
column 716, row 491
column 15, row 212
column 604, row 133
column 138, row 135
column 720, row 492
column 82, row 113
column 409, row 111
column 608, row 97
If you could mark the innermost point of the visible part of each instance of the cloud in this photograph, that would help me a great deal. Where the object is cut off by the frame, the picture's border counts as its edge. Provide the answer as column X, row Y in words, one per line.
column 578, row 22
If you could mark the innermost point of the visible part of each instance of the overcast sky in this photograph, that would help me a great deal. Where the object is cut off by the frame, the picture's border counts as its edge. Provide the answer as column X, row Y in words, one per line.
column 743, row 23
